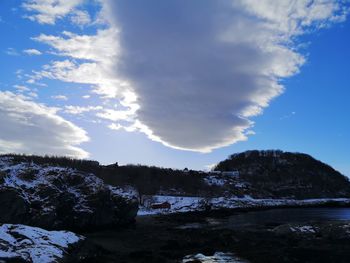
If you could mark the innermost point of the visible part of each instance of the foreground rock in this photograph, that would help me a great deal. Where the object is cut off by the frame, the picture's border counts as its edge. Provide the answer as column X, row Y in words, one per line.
column 330, row 230
column 60, row 198
column 20, row 243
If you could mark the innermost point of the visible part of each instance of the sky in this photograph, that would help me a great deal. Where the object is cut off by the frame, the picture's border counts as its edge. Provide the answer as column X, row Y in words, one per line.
column 175, row 83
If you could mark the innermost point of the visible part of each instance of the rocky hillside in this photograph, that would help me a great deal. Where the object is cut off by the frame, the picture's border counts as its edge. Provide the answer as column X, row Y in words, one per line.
column 284, row 174
column 55, row 197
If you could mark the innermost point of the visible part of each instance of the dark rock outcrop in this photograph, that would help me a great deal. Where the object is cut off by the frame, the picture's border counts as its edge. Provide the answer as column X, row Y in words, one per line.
column 61, row 198
column 278, row 174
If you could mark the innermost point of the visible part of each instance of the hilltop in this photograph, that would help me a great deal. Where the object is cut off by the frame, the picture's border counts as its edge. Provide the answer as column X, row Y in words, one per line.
column 281, row 174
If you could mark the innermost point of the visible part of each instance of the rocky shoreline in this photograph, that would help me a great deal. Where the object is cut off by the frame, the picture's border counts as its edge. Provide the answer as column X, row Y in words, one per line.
column 170, row 238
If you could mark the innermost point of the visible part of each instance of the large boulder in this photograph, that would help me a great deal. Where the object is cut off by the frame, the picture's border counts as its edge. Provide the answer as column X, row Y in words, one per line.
column 61, row 198
column 20, row 243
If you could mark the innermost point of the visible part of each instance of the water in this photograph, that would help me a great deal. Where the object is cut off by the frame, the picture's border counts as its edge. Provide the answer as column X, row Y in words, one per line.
column 290, row 215
column 274, row 216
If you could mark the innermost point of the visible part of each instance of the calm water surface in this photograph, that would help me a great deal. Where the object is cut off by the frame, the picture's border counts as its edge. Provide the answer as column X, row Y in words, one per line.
column 290, row 215
column 274, row 216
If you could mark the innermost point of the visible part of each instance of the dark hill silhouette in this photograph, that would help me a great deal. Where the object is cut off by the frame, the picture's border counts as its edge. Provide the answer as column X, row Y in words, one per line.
column 286, row 174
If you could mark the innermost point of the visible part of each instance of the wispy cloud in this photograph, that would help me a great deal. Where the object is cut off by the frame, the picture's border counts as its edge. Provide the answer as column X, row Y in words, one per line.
column 78, row 110
column 81, row 18
column 11, row 52
column 60, row 97
column 48, row 11
column 287, row 116
column 21, row 88
column 32, row 52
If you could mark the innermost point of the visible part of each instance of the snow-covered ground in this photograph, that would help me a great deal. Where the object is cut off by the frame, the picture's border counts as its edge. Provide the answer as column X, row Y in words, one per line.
column 34, row 244
column 126, row 192
column 215, row 180
column 187, row 204
column 218, row 257
column 222, row 180
column 303, row 229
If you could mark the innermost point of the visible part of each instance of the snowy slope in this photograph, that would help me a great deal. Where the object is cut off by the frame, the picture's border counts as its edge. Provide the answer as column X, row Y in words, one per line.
column 33, row 244
column 30, row 176
column 189, row 204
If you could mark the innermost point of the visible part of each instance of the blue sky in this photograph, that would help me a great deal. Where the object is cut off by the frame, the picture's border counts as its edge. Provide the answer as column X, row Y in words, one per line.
column 173, row 83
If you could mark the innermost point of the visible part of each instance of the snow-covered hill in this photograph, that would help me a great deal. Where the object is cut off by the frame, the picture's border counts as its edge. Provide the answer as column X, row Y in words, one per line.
column 60, row 198
column 278, row 174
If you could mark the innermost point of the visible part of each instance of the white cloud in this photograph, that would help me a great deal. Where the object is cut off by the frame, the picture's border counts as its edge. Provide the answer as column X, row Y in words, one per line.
column 98, row 54
column 60, row 97
column 200, row 70
column 250, row 132
column 190, row 74
column 32, row 52
column 27, row 91
column 115, row 115
column 48, row 11
column 29, row 127
column 77, row 110
column 32, row 94
column 98, row 48
column 92, row 59
column 81, row 18
column 21, row 88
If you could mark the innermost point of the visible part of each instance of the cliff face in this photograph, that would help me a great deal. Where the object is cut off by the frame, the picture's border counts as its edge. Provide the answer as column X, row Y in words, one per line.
column 285, row 174
column 54, row 197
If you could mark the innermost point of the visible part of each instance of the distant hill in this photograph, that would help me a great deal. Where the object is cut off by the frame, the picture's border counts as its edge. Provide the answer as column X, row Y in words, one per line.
column 262, row 174
column 148, row 180
column 285, row 174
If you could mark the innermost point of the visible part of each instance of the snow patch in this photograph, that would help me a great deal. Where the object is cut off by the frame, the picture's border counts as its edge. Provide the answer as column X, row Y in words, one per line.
column 303, row 229
column 213, row 180
column 219, row 257
column 190, row 204
column 126, row 192
column 34, row 244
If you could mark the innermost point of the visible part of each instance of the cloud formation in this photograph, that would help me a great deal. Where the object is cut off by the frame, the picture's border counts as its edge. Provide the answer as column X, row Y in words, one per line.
column 81, row 18
column 29, row 127
column 60, row 97
column 201, row 69
column 48, row 11
column 190, row 74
